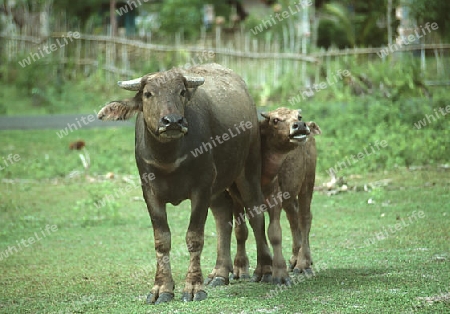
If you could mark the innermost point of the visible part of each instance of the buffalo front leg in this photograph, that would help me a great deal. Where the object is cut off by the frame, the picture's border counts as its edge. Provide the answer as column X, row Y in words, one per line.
column 194, row 288
column 164, row 285
column 221, row 207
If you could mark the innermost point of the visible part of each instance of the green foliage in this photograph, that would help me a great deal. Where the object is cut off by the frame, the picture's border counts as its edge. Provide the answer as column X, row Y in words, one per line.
column 390, row 110
column 354, row 23
column 181, row 16
column 432, row 11
column 330, row 34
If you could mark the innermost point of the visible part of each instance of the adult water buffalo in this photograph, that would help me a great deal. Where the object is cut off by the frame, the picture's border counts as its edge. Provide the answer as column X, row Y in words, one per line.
column 196, row 134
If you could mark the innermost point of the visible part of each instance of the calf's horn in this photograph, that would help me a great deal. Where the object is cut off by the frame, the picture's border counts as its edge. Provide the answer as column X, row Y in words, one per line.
column 194, row 81
column 133, row 85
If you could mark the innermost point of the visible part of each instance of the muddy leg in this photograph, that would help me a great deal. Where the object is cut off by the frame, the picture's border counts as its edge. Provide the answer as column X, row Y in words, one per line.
column 291, row 208
column 241, row 262
column 221, row 207
column 255, row 214
column 164, row 285
column 304, row 260
column 279, row 271
column 194, row 288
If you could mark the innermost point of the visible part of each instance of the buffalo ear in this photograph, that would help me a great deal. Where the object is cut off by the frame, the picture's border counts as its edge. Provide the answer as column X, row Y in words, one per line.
column 119, row 110
column 314, row 128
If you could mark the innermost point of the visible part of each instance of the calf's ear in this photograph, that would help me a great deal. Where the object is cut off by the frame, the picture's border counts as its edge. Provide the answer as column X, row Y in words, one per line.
column 314, row 128
column 119, row 110
column 265, row 115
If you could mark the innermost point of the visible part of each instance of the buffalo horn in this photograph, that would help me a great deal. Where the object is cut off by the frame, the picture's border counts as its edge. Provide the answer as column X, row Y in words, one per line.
column 133, row 85
column 192, row 81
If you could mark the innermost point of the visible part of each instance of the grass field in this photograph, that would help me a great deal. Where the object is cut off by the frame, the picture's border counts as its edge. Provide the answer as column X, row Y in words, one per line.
column 101, row 260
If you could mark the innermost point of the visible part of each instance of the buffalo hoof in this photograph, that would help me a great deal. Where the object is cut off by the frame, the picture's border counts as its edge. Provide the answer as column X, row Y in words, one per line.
column 291, row 267
column 282, row 281
column 264, row 278
column 308, row 272
column 207, row 281
column 199, row 296
column 162, row 298
column 241, row 277
column 217, row 282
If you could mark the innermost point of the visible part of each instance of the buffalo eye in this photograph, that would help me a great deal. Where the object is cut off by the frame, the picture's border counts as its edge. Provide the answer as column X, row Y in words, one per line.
column 148, row 94
column 183, row 93
column 275, row 121
column 299, row 118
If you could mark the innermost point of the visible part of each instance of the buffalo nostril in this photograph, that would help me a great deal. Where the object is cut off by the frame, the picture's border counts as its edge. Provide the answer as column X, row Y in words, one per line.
column 295, row 126
column 165, row 121
column 180, row 121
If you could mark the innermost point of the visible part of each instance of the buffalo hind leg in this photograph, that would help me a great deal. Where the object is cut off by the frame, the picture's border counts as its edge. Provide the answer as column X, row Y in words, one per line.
column 252, row 198
column 241, row 262
column 221, row 207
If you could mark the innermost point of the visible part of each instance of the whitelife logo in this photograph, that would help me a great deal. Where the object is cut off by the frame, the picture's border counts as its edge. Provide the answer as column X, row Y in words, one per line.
column 244, row 126
column 48, row 49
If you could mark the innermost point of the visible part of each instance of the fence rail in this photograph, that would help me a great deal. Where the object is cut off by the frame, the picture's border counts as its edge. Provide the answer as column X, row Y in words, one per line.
column 258, row 63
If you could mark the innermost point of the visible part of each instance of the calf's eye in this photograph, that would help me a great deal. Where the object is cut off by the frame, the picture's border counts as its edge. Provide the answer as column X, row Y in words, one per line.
column 183, row 93
column 275, row 121
column 148, row 94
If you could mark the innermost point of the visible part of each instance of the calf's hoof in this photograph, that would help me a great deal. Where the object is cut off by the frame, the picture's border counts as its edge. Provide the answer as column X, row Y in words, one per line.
column 164, row 297
column 199, row 296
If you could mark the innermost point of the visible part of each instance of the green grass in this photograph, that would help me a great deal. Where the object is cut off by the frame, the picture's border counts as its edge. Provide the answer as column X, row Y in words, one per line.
column 68, row 98
column 102, row 260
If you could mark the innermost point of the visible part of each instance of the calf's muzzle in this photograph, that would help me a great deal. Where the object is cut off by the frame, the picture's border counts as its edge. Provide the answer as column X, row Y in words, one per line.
column 299, row 131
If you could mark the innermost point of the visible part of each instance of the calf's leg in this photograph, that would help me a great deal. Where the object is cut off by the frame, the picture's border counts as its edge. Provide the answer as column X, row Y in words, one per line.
column 279, row 271
column 304, row 260
column 291, row 208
